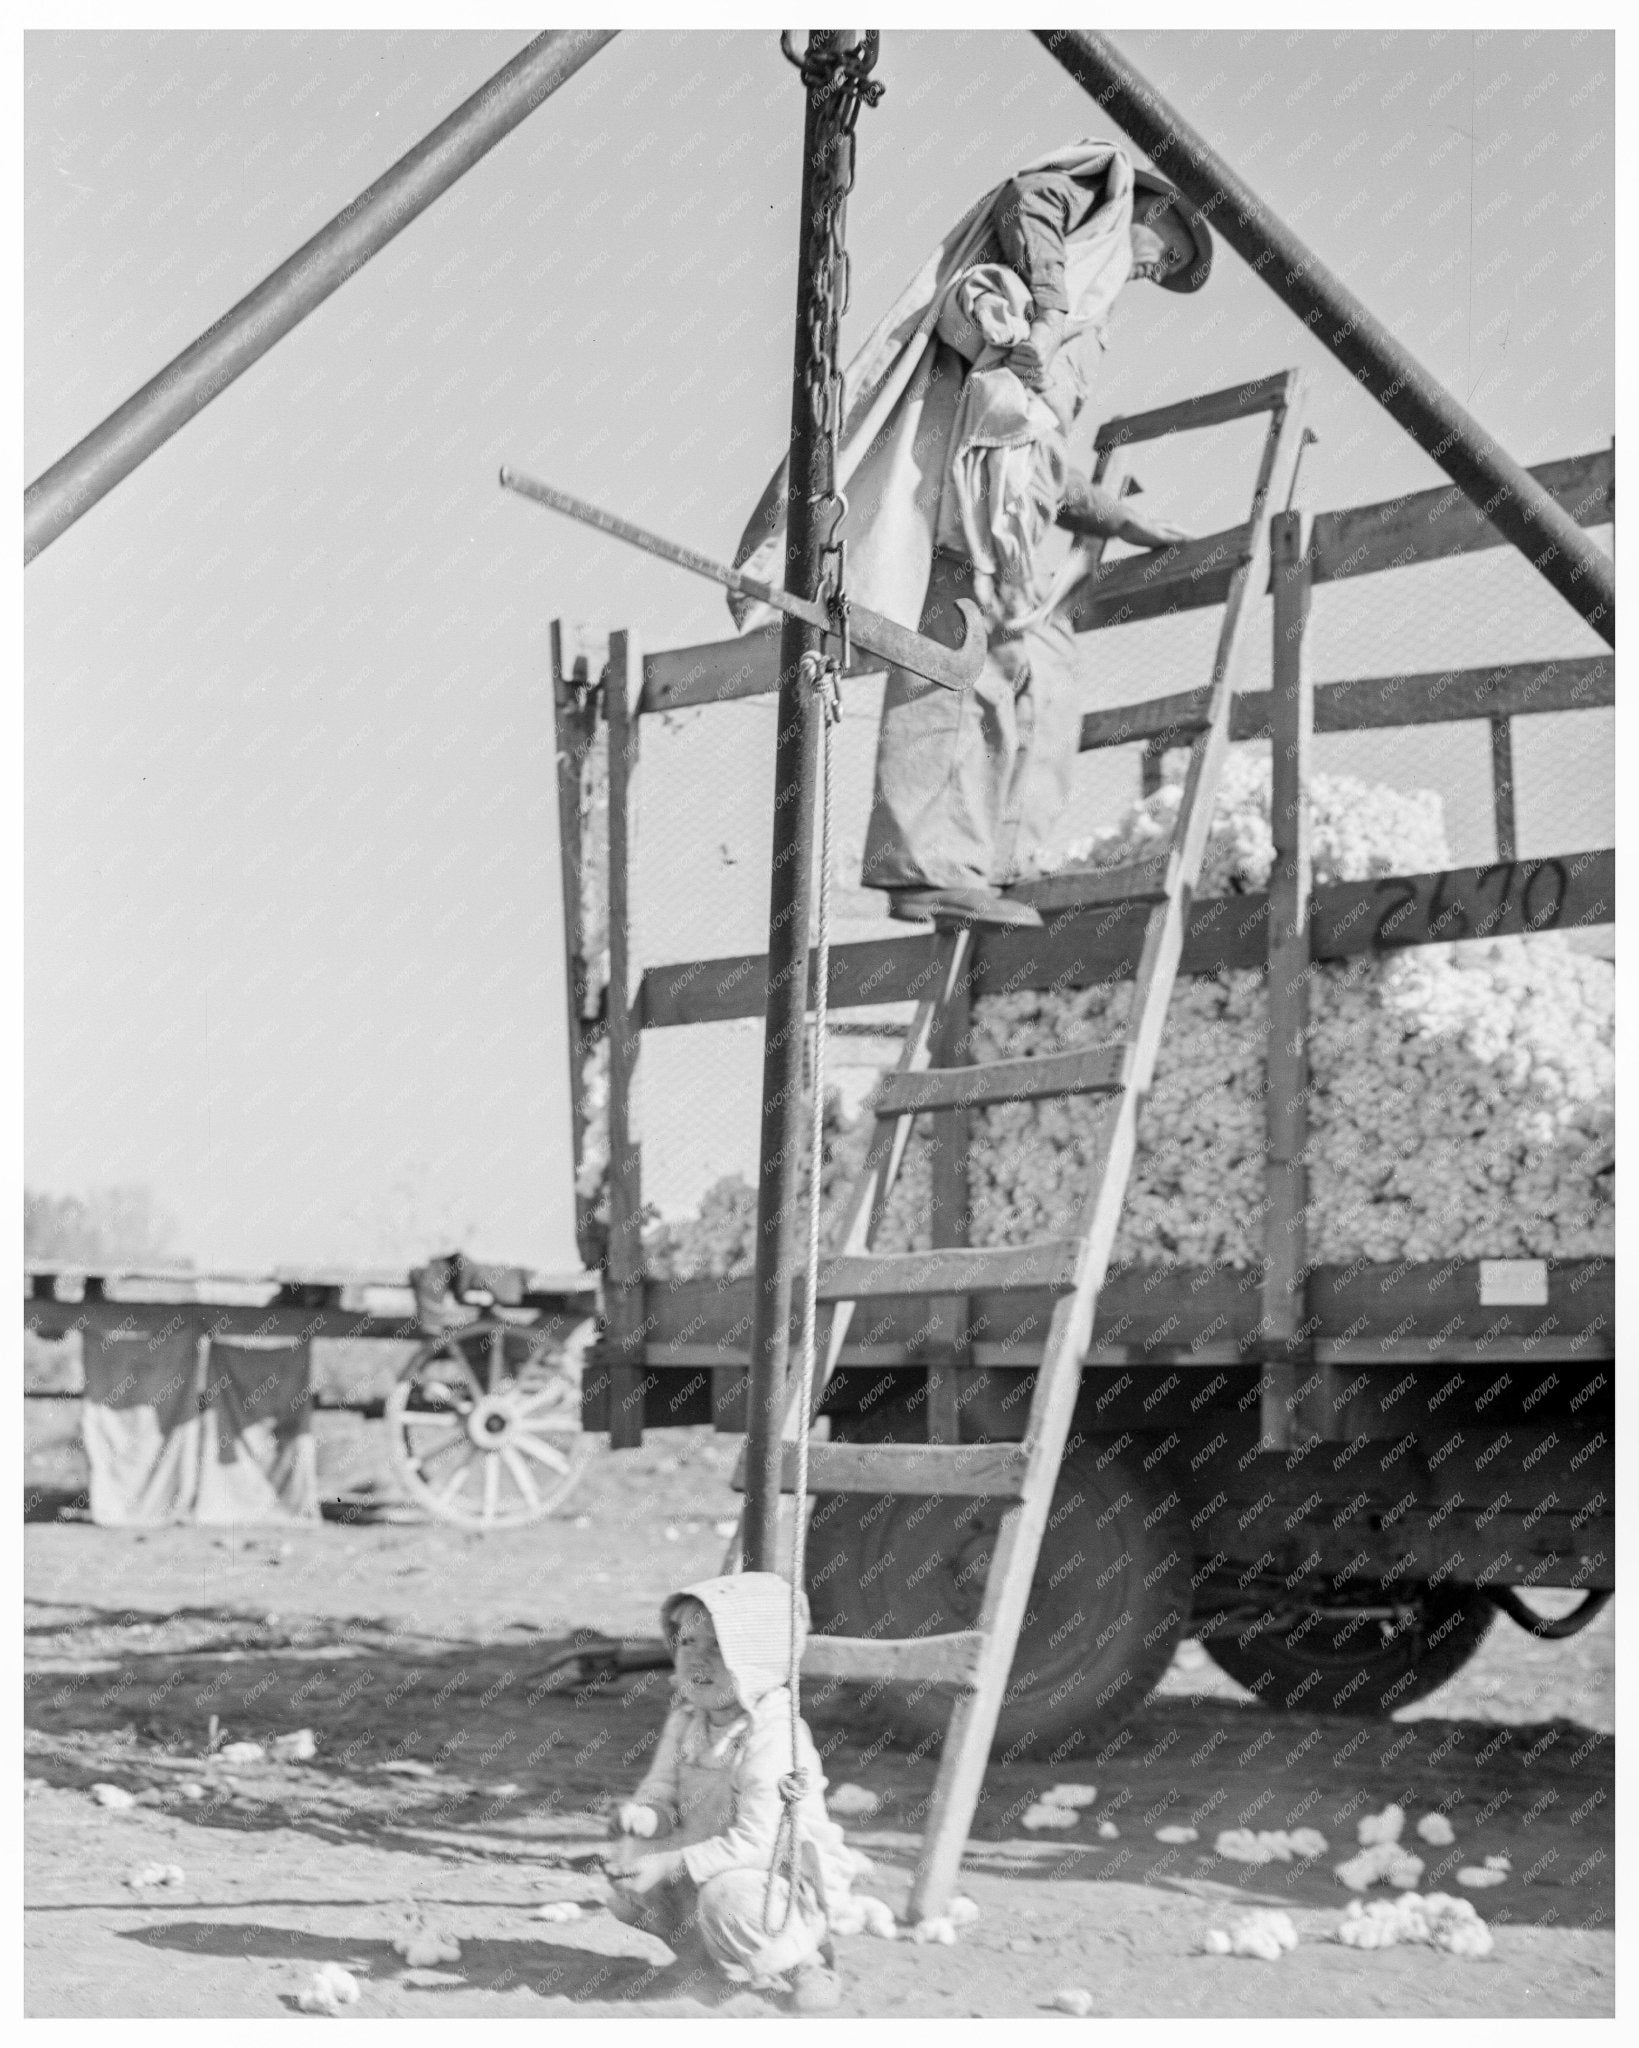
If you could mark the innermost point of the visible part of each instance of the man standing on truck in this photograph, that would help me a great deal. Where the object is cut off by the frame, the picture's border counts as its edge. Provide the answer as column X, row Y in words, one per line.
column 955, row 459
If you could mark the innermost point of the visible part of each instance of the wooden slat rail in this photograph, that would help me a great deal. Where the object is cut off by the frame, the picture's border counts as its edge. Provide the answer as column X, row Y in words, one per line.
column 1572, row 891
column 1365, row 540
column 983, row 1471
column 1185, row 563
column 1201, row 1317
column 1360, row 540
column 1431, row 697
column 948, row 1660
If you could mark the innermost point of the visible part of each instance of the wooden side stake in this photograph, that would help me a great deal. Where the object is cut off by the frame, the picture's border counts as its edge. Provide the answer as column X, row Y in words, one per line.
column 1293, row 1408
column 622, row 1349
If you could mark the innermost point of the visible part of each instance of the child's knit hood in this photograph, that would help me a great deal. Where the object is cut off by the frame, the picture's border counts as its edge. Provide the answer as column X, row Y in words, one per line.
column 751, row 1612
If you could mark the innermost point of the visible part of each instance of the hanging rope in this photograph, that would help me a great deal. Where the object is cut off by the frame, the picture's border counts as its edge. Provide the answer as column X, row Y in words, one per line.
column 843, row 73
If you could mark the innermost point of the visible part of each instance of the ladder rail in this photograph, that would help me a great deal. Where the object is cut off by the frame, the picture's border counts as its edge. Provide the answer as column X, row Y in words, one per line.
column 1018, row 1542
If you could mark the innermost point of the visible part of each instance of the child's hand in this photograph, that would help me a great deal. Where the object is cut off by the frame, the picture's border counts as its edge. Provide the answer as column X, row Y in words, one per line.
column 1029, row 361
column 648, row 1872
column 633, row 1818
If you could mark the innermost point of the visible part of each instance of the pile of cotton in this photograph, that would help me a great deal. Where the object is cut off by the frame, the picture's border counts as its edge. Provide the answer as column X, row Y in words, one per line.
column 1461, row 1103
column 1264, row 1933
column 1435, row 1921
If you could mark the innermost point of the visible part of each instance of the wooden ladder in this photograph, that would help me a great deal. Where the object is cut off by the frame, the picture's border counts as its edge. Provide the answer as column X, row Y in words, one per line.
column 975, row 1663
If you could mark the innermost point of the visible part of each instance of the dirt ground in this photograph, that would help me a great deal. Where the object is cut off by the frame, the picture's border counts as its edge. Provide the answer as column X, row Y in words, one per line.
column 395, row 1640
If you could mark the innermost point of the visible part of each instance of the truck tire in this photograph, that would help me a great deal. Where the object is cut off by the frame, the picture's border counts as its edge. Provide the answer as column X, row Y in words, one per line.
column 1328, row 1666
column 1108, row 1603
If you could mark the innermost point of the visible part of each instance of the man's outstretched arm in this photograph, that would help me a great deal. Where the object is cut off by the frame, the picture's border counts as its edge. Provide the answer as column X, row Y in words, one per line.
column 1090, row 509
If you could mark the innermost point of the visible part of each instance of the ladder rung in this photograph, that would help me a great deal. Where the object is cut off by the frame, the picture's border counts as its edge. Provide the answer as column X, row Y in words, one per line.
column 939, row 1660
column 1210, row 409
column 1052, row 1263
column 1087, row 1070
column 985, row 1470
column 1139, row 881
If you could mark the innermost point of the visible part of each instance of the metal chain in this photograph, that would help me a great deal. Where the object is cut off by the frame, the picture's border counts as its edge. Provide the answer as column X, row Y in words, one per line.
column 844, row 72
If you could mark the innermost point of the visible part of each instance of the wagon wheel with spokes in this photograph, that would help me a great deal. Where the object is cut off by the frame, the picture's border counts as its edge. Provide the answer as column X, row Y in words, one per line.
column 483, row 1428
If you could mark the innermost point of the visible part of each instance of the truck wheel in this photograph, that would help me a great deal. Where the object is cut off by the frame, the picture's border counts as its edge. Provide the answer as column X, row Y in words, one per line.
column 1330, row 1661
column 1109, row 1601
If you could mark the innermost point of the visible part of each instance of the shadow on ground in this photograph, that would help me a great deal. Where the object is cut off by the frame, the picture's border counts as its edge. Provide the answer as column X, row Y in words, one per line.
column 552, row 1968
column 512, row 1768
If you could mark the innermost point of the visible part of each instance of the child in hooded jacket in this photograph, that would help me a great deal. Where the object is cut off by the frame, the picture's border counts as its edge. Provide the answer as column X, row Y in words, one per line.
column 710, row 1802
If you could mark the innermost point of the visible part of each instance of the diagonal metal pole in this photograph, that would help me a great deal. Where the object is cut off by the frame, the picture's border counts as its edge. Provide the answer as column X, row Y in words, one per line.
column 791, row 888
column 148, row 419
column 1501, row 489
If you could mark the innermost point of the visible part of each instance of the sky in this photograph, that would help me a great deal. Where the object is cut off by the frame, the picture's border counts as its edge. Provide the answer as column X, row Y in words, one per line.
column 292, row 919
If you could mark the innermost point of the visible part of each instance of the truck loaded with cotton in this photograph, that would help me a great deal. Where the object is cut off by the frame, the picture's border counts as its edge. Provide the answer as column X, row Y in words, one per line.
column 1459, row 1219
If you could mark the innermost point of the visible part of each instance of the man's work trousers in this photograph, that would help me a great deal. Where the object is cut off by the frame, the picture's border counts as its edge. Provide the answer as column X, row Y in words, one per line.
column 970, row 785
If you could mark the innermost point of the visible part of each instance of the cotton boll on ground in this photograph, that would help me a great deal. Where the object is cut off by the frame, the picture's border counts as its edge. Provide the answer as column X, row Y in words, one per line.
column 1264, row 1933
column 329, row 1989
column 424, row 1948
column 1381, row 1827
column 1073, row 2000
column 1382, row 1863
column 1070, row 1795
column 1436, row 1830
column 1041, row 1815
column 862, row 1914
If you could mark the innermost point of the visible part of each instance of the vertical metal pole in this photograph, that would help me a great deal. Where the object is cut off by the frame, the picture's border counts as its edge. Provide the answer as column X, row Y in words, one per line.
column 790, row 894
column 623, row 1360
column 1290, row 1411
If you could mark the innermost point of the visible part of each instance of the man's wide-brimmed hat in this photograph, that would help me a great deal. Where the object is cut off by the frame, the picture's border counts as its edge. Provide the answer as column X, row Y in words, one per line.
column 1191, row 276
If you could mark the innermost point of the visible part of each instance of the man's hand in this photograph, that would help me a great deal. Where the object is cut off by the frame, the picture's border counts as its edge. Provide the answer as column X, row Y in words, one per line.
column 1029, row 362
column 664, row 1867
column 1149, row 533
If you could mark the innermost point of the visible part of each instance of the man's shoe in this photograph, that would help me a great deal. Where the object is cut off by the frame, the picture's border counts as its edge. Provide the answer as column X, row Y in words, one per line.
column 960, row 906
column 815, row 1988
